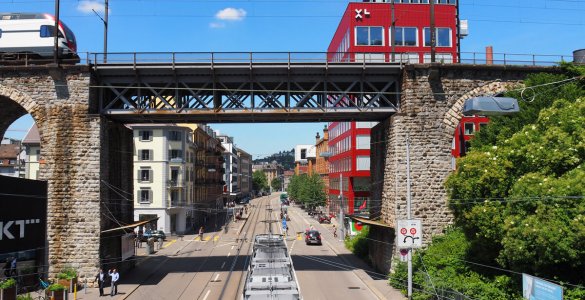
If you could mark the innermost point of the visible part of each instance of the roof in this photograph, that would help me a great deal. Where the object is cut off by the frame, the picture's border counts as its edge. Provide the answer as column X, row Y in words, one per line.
column 9, row 151
column 32, row 136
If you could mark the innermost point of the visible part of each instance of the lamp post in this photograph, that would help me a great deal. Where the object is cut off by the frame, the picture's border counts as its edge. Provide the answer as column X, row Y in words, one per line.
column 105, row 21
column 56, row 34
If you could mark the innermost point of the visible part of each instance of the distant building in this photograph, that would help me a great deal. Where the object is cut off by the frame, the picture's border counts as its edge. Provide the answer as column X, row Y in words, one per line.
column 32, row 148
column 164, row 175
column 305, row 156
column 245, row 177
column 231, row 189
column 10, row 159
column 464, row 132
column 271, row 170
column 322, row 157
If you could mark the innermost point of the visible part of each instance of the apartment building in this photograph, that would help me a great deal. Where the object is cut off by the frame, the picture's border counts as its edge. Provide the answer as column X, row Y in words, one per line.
column 231, row 190
column 245, row 177
column 32, row 147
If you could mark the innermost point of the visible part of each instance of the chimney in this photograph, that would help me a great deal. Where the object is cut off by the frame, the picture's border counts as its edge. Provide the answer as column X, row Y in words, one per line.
column 489, row 55
column 317, row 138
column 325, row 133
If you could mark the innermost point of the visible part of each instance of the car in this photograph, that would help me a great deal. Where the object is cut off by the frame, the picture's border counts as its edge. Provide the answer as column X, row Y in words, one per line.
column 313, row 237
column 156, row 234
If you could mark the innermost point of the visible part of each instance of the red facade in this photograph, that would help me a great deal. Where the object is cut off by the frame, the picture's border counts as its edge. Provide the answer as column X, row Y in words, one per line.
column 465, row 132
column 410, row 21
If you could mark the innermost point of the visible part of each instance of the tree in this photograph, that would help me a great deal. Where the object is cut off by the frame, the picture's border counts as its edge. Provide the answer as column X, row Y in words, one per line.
column 276, row 184
column 259, row 180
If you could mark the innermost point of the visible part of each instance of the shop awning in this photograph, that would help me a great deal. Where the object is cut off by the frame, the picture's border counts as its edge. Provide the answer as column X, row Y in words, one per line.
column 129, row 226
column 369, row 222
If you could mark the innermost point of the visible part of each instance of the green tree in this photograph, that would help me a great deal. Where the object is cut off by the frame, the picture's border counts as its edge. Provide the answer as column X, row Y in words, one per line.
column 308, row 190
column 259, row 180
column 276, row 184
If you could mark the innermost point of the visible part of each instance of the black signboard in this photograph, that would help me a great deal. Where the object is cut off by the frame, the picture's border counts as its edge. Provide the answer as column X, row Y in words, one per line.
column 23, row 214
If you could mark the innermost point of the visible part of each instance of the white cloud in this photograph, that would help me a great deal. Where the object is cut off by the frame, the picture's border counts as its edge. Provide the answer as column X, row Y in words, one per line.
column 231, row 14
column 216, row 25
column 87, row 6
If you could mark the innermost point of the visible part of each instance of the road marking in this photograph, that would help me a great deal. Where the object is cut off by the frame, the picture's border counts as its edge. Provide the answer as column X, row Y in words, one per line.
column 229, row 254
column 169, row 243
column 216, row 277
column 233, row 247
column 223, row 265
column 206, row 295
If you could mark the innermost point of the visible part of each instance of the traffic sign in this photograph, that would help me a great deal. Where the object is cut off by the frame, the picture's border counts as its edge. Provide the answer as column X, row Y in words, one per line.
column 409, row 234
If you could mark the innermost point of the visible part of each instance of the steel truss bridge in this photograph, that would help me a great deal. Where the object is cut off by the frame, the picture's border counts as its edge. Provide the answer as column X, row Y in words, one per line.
column 242, row 87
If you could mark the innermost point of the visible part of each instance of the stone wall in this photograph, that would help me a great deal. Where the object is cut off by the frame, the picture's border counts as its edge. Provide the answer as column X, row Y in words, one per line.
column 430, row 109
column 71, row 147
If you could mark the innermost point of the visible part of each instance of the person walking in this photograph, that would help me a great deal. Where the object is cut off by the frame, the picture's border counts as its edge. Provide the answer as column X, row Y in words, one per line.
column 334, row 231
column 201, row 233
column 13, row 267
column 101, row 281
column 114, row 276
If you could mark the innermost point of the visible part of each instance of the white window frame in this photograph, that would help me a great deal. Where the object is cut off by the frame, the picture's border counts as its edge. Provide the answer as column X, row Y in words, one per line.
column 403, row 27
column 141, row 199
column 361, row 161
column 369, row 38
column 437, row 37
column 362, row 141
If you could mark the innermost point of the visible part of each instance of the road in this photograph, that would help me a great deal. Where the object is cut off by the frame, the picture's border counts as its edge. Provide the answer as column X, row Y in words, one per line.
column 215, row 267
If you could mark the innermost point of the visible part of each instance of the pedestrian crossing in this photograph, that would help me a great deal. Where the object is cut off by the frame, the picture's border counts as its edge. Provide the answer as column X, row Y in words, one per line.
column 208, row 238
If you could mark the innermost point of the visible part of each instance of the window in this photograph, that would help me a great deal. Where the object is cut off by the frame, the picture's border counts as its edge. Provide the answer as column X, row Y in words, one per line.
column 174, row 174
column 360, row 204
column 145, row 175
column 175, row 135
column 144, row 196
column 363, row 163
column 361, row 184
column 468, row 128
column 145, row 154
column 443, row 36
column 405, row 36
column 175, row 154
column 363, row 142
column 303, row 153
column 145, row 135
column 369, row 36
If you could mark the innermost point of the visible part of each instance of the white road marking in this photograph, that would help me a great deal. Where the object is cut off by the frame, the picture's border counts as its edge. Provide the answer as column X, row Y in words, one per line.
column 233, row 246
column 206, row 295
column 216, row 277
column 229, row 254
column 223, row 265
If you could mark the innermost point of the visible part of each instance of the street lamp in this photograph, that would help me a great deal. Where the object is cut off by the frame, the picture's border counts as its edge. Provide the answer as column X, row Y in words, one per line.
column 105, row 29
column 490, row 106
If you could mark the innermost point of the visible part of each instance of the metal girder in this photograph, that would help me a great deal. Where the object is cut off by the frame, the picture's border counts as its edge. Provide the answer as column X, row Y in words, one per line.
column 254, row 93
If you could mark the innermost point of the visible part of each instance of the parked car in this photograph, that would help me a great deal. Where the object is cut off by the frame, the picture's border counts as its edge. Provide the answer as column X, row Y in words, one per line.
column 324, row 219
column 313, row 237
column 156, row 234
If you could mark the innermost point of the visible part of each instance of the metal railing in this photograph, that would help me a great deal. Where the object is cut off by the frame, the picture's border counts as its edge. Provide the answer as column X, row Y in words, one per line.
column 329, row 58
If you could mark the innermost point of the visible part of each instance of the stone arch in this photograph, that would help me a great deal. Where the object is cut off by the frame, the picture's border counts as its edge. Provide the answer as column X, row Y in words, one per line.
column 15, row 104
column 454, row 114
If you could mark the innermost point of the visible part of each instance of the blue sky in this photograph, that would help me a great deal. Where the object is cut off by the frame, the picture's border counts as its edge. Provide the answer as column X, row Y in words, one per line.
column 522, row 26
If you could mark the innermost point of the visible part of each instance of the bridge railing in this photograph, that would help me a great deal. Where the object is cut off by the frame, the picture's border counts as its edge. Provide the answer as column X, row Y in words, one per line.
column 213, row 58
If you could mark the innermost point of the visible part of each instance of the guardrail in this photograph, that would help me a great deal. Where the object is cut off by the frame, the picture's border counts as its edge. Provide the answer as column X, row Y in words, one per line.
column 217, row 58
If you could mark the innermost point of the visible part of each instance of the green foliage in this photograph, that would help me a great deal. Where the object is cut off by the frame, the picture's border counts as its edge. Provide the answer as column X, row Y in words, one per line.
column 56, row 287
column 518, row 196
column 24, row 297
column 358, row 244
column 259, row 181
column 67, row 273
column 276, row 184
column 7, row 283
column 308, row 190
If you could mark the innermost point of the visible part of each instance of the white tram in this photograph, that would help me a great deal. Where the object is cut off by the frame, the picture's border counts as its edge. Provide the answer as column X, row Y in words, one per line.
column 30, row 36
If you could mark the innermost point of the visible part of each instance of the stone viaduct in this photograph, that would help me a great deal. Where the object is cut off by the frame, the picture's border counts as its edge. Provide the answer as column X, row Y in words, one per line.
column 88, row 157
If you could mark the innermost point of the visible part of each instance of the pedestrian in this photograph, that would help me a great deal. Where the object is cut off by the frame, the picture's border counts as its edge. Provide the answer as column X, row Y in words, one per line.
column 201, row 233
column 7, row 268
column 114, row 276
column 13, row 267
column 101, row 281
column 334, row 231
column 160, row 242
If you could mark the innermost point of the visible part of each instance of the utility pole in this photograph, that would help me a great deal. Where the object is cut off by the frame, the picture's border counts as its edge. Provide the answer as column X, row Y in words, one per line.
column 56, row 34
column 408, row 207
column 341, row 216
column 433, row 33
column 106, row 34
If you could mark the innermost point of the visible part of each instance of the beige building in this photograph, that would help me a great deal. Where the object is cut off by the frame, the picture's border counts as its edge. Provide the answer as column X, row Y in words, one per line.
column 272, row 170
column 322, row 157
column 163, row 170
column 32, row 147
column 245, row 178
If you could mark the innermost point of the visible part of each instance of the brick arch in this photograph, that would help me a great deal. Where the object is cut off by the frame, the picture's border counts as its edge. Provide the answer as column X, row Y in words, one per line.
column 454, row 114
column 15, row 104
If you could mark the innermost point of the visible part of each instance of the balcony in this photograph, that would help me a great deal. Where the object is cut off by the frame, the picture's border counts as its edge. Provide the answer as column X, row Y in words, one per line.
column 175, row 184
column 176, row 203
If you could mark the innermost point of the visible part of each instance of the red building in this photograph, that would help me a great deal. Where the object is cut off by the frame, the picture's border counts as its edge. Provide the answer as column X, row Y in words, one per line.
column 365, row 32
column 465, row 132
column 349, row 145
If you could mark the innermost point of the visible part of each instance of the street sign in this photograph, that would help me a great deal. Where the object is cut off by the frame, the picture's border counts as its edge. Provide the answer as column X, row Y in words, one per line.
column 534, row 288
column 403, row 255
column 409, row 234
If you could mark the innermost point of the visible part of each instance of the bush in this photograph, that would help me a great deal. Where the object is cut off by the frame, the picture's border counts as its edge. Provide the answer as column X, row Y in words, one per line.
column 56, row 287
column 24, row 297
column 358, row 244
column 67, row 273
column 8, row 283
